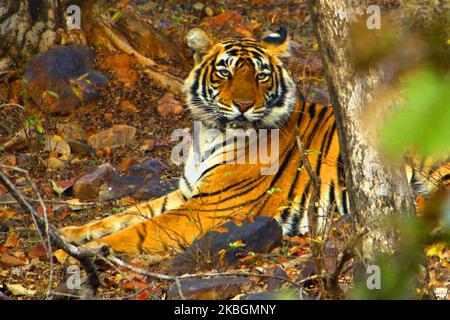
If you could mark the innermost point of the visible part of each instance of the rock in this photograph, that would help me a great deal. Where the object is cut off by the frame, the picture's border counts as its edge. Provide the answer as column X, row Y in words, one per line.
column 215, row 288
column 259, row 236
column 152, row 186
column 273, row 295
column 75, row 161
column 128, row 106
column 108, row 117
column 62, row 78
column 88, row 186
column 143, row 180
column 148, row 145
column 80, row 148
column 54, row 164
column 118, row 135
column 56, row 144
column 149, row 166
column 168, row 105
column 70, row 131
column 120, row 186
column 276, row 283
column 155, row 189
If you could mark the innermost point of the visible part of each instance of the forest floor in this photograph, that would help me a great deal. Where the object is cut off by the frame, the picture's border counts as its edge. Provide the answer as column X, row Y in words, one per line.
column 130, row 98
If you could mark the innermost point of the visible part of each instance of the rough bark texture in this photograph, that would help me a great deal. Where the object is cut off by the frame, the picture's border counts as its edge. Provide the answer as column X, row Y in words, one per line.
column 377, row 192
column 31, row 26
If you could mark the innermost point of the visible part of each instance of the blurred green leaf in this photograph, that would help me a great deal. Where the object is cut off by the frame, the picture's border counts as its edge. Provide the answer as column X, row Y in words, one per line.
column 423, row 124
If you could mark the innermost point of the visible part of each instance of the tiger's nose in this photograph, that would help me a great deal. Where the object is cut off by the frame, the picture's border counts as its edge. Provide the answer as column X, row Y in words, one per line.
column 243, row 105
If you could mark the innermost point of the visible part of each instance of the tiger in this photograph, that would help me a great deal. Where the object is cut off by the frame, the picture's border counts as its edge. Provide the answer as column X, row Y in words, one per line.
column 241, row 83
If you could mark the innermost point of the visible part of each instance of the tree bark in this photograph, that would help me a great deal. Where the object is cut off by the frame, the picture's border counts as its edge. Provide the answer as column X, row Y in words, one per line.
column 377, row 192
column 31, row 26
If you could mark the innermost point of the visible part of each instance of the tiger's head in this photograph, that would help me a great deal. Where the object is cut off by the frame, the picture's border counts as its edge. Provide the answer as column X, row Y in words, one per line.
column 239, row 83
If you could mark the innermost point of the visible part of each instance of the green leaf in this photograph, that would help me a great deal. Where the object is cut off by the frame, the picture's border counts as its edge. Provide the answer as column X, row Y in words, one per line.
column 52, row 93
column 273, row 190
column 117, row 15
column 422, row 124
column 316, row 152
column 56, row 188
column 236, row 244
column 198, row 6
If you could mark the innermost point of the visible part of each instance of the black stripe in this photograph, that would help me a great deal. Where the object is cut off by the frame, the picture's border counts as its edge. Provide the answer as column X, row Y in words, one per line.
column 163, row 207
column 186, row 181
column 206, row 194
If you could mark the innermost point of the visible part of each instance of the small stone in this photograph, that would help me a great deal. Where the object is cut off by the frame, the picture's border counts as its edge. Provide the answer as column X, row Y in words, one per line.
column 56, row 144
column 148, row 145
column 128, row 106
column 70, row 131
column 216, row 288
column 118, row 135
column 80, row 148
column 108, row 116
column 89, row 185
column 75, row 160
column 168, row 105
column 54, row 164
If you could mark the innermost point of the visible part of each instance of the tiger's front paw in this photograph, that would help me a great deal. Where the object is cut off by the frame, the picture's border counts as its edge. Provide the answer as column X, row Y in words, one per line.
column 75, row 235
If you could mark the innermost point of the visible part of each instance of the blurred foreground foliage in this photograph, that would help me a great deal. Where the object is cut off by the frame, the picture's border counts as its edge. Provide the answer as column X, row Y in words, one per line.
column 423, row 123
column 415, row 63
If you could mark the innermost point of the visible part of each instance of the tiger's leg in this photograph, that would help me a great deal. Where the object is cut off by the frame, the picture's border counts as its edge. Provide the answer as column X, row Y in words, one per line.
column 171, row 231
column 97, row 229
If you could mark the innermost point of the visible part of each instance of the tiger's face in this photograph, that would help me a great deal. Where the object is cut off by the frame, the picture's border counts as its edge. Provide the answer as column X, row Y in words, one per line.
column 239, row 83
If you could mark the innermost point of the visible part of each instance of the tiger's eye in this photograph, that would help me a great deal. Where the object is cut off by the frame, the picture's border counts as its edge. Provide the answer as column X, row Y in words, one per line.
column 223, row 73
column 262, row 76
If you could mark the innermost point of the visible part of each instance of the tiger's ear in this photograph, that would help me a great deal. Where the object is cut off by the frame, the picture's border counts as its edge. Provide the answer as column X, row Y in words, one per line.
column 277, row 43
column 199, row 41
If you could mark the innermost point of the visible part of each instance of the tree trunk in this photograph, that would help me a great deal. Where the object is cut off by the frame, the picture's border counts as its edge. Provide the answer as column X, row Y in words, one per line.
column 377, row 191
column 31, row 26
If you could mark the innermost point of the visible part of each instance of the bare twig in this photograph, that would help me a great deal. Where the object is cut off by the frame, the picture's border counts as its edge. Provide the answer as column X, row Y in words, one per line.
column 178, row 286
column 311, row 214
column 61, row 202
column 343, row 257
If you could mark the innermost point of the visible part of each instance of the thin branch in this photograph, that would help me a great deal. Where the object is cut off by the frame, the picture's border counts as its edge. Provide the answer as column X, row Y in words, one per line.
column 311, row 214
column 347, row 254
column 164, row 277
column 61, row 202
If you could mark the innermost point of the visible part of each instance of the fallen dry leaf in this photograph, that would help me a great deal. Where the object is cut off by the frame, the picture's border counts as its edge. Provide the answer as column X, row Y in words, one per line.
column 19, row 290
column 11, row 260
column 12, row 240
